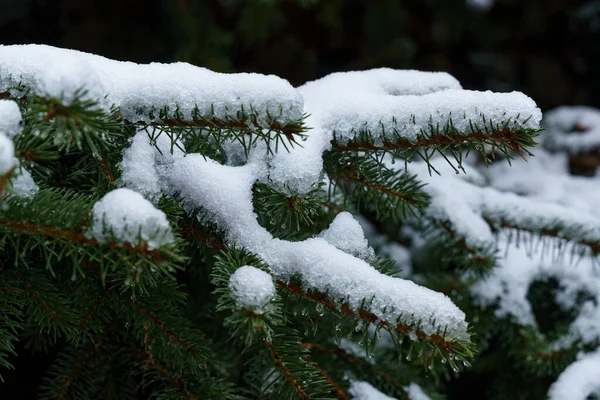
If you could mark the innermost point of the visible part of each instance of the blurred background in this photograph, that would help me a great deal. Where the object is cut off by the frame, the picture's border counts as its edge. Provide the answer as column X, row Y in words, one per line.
column 549, row 49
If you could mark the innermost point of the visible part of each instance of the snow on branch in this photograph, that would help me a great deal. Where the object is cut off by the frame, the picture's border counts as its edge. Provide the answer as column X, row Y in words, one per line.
column 574, row 129
column 579, row 380
column 17, row 181
column 142, row 89
column 383, row 109
column 507, row 287
column 225, row 194
column 476, row 212
column 365, row 391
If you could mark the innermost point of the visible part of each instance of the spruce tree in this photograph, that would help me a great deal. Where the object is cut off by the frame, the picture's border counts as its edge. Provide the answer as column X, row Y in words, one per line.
column 171, row 232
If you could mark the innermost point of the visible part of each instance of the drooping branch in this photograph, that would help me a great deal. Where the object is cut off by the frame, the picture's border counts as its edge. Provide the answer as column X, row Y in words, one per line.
column 447, row 346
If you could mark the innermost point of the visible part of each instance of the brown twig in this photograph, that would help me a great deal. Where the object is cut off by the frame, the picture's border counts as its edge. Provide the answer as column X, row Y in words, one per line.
column 82, row 362
column 506, row 134
column 365, row 315
column 148, row 361
column 286, row 372
column 79, row 238
column 352, row 360
column 162, row 326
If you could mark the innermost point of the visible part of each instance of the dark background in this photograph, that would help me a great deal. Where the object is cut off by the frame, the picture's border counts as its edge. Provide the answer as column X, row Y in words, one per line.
column 548, row 49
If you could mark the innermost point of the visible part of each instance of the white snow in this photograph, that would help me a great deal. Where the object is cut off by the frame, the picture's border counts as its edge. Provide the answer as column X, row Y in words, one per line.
column 546, row 177
column 346, row 234
column 507, row 287
column 10, row 118
column 127, row 216
column 224, row 193
column 365, row 391
column 302, row 167
column 578, row 380
column 560, row 124
column 415, row 392
column 465, row 205
column 139, row 88
column 22, row 184
column 386, row 101
column 144, row 161
column 251, row 288
column 7, row 155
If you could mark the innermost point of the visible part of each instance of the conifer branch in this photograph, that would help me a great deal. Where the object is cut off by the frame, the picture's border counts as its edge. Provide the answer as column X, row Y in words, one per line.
column 448, row 347
column 79, row 238
column 82, row 362
column 353, row 361
column 286, row 372
column 336, row 389
column 559, row 231
column 389, row 193
column 156, row 321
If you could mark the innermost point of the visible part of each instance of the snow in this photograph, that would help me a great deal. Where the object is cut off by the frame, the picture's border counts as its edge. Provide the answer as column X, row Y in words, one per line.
column 10, row 118
column 507, row 286
column 301, row 167
column 22, row 184
column 140, row 88
column 225, row 195
column 125, row 215
column 7, row 155
column 546, row 178
column 561, row 123
column 144, row 160
column 465, row 205
column 365, row 391
column 251, row 288
column 346, row 234
column 10, row 121
column 579, row 380
column 415, row 392
column 385, row 101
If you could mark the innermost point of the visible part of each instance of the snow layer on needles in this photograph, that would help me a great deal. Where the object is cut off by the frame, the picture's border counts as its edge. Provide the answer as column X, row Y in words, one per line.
column 144, row 159
column 467, row 207
column 127, row 216
column 365, row 391
column 251, row 288
column 507, row 287
column 10, row 118
column 7, row 155
column 224, row 193
column 579, row 380
column 139, row 88
column 346, row 234
column 546, row 177
column 575, row 129
column 385, row 102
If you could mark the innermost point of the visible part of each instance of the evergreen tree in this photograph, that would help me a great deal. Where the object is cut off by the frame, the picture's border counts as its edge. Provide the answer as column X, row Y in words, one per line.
column 170, row 232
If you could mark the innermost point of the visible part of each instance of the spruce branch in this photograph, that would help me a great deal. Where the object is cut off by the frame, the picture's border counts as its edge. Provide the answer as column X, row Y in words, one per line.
column 449, row 350
column 364, row 178
column 207, row 134
column 82, row 124
column 446, row 141
column 354, row 362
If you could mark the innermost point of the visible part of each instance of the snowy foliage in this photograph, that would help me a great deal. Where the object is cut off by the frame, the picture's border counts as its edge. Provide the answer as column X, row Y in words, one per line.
column 127, row 216
column 251, row 288
column 579, row 380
